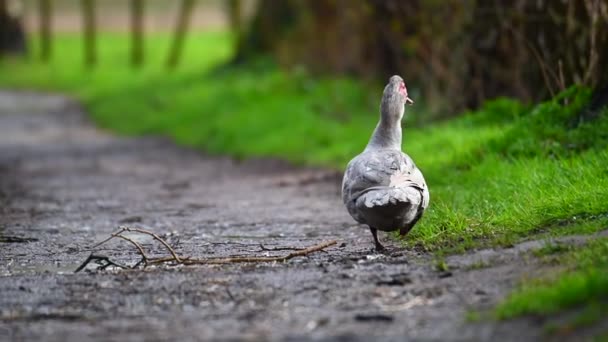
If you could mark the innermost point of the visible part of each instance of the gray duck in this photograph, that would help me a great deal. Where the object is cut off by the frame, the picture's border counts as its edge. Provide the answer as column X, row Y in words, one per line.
column 382, row 187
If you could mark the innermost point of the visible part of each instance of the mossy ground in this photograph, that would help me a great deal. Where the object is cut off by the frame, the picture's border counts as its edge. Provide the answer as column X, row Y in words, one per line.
column 580, row 288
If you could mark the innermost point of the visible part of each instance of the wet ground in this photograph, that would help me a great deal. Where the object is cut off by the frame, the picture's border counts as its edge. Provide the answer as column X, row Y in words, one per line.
column 65, row 185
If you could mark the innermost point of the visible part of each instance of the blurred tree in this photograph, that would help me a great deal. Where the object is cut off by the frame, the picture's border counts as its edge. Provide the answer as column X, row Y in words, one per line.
column 456, row 52
column 44, row 9
column 270, row 24
column 88, row 18
column 137, row 32
column 235, row 9
column 546, row 45
column 12, row 35
column 181, row 28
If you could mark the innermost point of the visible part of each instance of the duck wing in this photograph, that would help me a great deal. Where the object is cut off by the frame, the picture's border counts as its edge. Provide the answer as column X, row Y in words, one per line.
column 381, row 169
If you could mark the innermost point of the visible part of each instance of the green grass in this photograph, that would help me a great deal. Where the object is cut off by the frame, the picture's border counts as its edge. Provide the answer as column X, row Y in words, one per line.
column 550, row 249
column 441, row 265
column 586, row 317
column 503, row 173
column 567, row 291
column 496, row 175
column 582, row 285
column 524, row 178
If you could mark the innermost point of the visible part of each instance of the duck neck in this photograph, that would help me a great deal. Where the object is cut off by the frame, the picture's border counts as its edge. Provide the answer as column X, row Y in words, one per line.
column 387, row 134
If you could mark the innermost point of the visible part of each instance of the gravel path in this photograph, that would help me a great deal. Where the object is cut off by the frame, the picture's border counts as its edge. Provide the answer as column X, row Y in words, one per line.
column 65, row 185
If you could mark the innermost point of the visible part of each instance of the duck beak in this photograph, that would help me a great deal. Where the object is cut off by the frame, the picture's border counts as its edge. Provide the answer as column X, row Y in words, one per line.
column 411, row 102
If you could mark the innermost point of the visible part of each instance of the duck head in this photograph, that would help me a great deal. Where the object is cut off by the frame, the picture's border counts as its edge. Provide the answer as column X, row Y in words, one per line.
column 394, row 99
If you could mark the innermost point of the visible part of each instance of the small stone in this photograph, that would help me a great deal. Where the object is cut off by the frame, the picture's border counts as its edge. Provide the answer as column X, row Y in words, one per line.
column 374, row 318
column 445, row 274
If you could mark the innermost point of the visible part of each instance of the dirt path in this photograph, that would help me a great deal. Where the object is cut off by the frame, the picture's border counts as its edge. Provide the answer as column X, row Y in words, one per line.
column 65, row 185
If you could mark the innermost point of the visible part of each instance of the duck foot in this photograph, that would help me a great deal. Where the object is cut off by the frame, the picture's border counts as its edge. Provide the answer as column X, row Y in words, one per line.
column 379, row 247
column 403, row 231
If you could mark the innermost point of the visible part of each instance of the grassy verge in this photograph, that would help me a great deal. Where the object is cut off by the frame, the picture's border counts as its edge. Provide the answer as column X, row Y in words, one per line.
column 496, row 175
column 581, row 287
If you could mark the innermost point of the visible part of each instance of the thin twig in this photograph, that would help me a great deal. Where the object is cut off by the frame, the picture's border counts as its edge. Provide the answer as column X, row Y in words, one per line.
column 144, row 257
column 95, row 257
column 229, row 293
column 230, row 260
column 118, row 234
column 562, row 79
column 593, row 12
column 139, row 263
column 546, row 71
column 264, row 248
column 113, row 235
column 157, row 238
column 193, row 261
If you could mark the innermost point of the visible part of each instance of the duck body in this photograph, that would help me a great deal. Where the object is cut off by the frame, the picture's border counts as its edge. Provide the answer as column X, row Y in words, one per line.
column 385, row 190
column 382, row 187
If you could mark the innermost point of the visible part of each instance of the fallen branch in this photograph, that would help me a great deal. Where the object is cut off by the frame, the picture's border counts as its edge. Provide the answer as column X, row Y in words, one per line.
column 144, row 257
column 157, row 238
column 264, row 248
column 175, row 258
column 98, row 258
column 230, row 260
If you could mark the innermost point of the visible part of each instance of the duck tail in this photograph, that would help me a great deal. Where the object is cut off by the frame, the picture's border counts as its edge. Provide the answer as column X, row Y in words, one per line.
column 381, row 196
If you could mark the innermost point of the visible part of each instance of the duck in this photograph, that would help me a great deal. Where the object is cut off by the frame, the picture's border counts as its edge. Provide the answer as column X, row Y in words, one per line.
column 382, row 187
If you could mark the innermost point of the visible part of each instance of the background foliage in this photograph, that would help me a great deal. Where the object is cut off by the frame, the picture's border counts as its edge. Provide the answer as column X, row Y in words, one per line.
column 456, row 53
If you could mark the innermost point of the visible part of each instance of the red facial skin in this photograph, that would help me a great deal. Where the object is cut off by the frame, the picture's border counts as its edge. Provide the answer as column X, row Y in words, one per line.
column 403, row 89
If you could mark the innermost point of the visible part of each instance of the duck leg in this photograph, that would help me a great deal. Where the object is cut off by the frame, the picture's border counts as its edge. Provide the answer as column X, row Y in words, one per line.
column 379, row 247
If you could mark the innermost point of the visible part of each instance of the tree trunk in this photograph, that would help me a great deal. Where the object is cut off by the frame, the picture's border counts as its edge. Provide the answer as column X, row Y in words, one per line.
column 181, row 29
column 271, row 21
column 137, row 32
column 45, row 29
column 235, row 8
column 90, row 48
column 12, row 35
